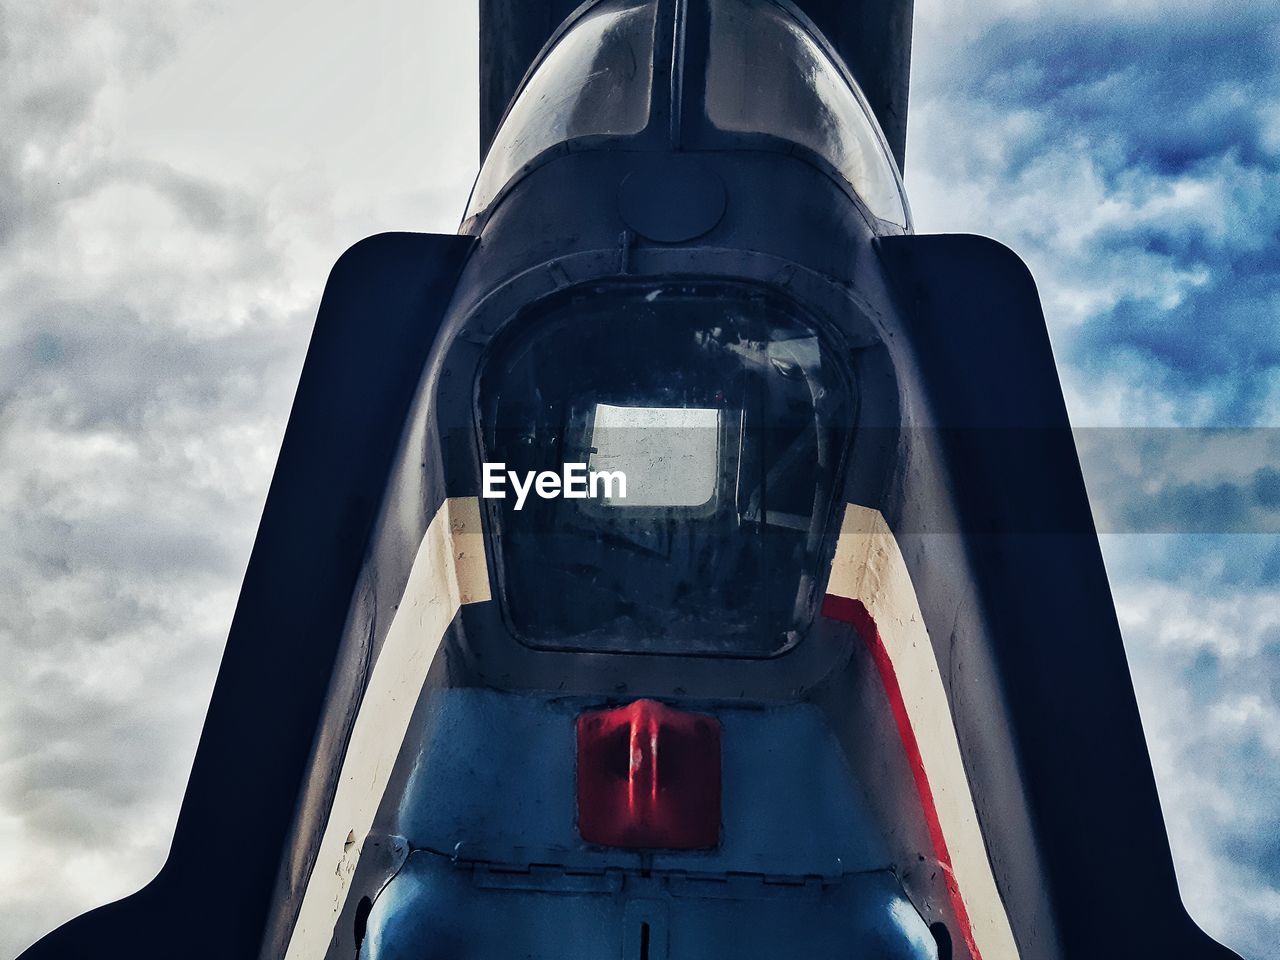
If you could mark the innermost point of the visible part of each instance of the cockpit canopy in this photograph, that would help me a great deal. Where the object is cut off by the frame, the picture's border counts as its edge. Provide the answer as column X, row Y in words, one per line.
column 746, row 74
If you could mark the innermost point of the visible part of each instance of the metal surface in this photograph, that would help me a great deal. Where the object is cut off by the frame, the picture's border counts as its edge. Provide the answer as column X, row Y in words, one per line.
column 436, row 910
column 489, row 818
column 481, row 794
column 672, row 199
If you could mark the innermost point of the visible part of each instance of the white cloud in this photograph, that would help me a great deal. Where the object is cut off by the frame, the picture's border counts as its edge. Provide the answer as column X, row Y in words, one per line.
column 185, row 175
column 1204, row 661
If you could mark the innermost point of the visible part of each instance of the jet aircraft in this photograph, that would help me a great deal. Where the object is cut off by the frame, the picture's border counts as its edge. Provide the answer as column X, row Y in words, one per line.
column 839, row 676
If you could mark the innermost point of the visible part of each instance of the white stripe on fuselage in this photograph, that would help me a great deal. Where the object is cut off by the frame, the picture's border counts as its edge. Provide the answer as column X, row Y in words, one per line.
column 448, row 571
column 869, row 567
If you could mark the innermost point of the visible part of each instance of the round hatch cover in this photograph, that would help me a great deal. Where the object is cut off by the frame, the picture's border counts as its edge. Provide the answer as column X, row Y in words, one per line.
column 672, row 199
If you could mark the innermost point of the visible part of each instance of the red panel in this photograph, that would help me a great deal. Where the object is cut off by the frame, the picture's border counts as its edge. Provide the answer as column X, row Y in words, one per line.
column 649, row 777
column 854, row 612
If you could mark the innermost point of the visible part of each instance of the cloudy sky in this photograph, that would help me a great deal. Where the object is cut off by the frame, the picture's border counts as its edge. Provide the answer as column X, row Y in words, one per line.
column 176, row 177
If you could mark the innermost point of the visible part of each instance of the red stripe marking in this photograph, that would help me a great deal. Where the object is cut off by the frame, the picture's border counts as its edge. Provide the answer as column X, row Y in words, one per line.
column 855, row 612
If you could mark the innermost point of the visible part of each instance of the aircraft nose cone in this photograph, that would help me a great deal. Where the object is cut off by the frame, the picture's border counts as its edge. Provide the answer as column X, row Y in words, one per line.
column 672, row 199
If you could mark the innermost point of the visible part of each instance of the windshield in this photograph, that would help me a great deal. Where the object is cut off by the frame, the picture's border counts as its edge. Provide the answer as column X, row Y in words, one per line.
column 595, row 81
column 766, row 74
column 706, row 429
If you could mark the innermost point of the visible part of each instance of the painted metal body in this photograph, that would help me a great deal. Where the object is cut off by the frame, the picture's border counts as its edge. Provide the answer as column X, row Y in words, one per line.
column 943, row 761
column 493, row 862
